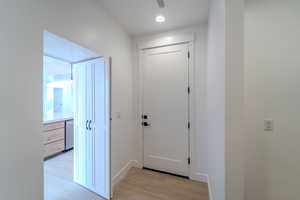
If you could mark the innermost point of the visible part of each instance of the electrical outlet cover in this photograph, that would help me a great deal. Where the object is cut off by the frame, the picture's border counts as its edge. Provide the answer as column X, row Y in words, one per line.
column 268, row 125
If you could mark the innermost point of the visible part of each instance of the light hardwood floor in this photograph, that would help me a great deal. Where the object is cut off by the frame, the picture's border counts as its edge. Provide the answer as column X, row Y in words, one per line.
column 58, row 180
column 138, row 185
column 148, row 185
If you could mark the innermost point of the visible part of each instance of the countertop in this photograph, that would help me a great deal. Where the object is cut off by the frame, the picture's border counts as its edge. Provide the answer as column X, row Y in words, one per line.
column 57, row 117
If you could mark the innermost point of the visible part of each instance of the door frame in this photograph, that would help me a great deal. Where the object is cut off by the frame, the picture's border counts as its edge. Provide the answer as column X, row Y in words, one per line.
column 162, row 42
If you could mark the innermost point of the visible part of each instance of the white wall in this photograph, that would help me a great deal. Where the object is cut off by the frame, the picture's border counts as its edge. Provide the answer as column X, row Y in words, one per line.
column 21, row 101
column 225, row 99
column 87, row 24
column 53, row 67
column 22, row 23
column 216, row 98
column 199, row 153
column 235, row 134
column 272, row 61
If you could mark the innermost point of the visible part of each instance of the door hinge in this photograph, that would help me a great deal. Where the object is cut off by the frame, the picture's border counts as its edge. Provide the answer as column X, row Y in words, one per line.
column 189, row 160
column 189, row 125
column 189, row 54
column 189, row 90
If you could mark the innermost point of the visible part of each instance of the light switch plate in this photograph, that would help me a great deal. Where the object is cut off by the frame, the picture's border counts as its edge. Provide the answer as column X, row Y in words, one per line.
column 268, row 125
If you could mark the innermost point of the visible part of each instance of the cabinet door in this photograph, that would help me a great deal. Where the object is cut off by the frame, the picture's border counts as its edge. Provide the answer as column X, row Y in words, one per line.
column 89, row 136
column 92, row 139
column 80, row 79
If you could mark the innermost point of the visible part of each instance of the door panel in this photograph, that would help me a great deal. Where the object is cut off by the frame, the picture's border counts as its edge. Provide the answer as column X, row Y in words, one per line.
column 101, row 127
column 165, row 102
column 80, row 122
column 92, row 137
column 89, row 136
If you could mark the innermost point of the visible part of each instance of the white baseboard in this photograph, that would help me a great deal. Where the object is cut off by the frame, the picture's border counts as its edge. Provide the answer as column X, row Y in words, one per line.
column 123, row 172
column 210, row 189
column 201, row 177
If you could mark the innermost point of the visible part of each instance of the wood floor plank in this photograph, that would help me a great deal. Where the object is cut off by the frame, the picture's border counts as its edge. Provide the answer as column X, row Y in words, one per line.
column 139, row 184
column 143, row 184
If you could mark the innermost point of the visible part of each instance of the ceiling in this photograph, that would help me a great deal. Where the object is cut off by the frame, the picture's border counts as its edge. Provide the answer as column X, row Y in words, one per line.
column 138, row 16
column 65, row 50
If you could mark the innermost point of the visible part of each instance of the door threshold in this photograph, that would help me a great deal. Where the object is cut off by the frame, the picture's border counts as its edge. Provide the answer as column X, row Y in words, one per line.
column 163, row 172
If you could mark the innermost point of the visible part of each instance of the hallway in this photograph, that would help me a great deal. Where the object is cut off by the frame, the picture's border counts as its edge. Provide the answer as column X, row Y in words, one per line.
column 138, row 185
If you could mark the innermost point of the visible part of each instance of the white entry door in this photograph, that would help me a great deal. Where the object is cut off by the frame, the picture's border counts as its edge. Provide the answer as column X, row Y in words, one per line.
column 165, row 108
column 92, row 125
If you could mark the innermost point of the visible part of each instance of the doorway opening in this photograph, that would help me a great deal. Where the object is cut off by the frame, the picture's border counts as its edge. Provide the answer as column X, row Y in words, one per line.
column 166, row 114
column 76, row 121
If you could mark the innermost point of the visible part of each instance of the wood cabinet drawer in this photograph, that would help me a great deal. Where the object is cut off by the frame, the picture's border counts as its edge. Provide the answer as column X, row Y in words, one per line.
column 54, row 148
column 54, row 135
column 55, row 125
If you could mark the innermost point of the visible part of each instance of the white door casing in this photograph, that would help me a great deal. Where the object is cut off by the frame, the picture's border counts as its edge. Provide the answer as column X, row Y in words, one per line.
column 165, row 99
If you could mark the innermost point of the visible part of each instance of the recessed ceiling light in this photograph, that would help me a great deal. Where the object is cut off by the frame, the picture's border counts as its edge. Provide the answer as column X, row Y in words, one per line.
column 160, row 19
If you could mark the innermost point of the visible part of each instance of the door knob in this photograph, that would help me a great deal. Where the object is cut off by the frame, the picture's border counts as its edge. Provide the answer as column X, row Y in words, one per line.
column 145, row 116
column 145, row 124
